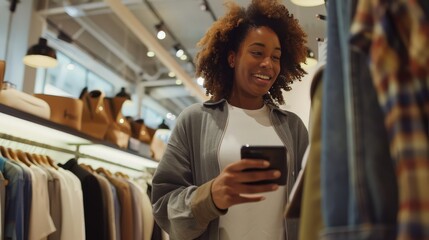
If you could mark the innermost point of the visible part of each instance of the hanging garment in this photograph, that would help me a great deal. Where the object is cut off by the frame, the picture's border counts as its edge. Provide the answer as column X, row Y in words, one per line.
column 55, row 205
column 146, row 206
column 3, row 183
column 41, row 224
column 109, row 209
column 395, row 36
column 125, row 200
column 359, row 191
column 73, row 220
column 14, row 214
column 28, row 195
column 334, row 168
column 137, row 213
column 311, row 222
column 95, row 219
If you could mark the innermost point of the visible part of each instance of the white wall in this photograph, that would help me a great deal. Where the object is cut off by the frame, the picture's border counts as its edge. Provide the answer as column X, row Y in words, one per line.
column 298, row 99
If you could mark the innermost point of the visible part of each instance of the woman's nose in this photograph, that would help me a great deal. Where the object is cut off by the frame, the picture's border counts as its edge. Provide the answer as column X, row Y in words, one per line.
column 267, row 62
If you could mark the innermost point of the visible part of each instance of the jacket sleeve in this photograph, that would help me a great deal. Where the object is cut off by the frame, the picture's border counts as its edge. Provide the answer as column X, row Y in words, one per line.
column 302, row 142
column 299, row 137
column 182, row 209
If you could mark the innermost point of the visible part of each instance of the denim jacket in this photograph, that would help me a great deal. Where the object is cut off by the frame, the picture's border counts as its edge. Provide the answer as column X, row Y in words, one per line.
column 181, row 196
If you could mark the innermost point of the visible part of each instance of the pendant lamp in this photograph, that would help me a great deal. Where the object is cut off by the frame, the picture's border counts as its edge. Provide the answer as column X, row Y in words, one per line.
column 41, row 55
column 308, row 3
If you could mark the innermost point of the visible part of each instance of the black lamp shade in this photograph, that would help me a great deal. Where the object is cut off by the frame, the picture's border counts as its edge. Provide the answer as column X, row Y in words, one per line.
column 41, row 55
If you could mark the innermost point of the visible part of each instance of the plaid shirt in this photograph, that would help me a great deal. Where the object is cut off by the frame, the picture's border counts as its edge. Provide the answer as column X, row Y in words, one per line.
column 395, row 34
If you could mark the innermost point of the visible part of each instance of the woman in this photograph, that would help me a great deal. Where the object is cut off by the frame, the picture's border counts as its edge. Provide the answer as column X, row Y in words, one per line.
column 199, row 189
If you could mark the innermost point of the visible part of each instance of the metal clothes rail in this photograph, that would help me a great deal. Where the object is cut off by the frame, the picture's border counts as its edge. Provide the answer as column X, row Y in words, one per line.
column 76, row 152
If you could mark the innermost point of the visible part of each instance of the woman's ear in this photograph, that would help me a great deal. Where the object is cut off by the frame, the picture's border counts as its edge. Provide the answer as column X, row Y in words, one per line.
column 231, row 59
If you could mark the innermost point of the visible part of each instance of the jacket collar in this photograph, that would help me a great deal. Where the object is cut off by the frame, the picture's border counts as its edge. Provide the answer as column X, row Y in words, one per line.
column 222, row 102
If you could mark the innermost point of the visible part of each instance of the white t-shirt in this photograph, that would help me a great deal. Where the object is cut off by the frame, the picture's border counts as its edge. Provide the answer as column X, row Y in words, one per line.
column 251, row 221
column 41, row 224
column 73, row 220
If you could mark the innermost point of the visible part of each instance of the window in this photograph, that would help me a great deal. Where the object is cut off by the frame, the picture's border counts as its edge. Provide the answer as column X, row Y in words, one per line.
column 69, row 78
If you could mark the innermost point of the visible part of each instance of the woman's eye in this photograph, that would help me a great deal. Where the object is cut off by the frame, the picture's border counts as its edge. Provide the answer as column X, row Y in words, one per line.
column 257, row 53
column 276, row 58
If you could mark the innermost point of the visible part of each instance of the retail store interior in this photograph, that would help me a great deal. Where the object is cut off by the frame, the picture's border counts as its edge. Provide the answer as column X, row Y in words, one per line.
column 91, row 90
column 112, row 46
column 133, row 60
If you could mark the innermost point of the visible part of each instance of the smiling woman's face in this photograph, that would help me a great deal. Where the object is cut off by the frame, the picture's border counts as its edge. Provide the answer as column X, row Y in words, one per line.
column 256, row 67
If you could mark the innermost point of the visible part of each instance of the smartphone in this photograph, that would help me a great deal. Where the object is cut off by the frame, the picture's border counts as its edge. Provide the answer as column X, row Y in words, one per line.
column 276, row 155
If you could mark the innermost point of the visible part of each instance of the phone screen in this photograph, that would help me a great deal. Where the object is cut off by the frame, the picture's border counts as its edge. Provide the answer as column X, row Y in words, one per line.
column 276, row 155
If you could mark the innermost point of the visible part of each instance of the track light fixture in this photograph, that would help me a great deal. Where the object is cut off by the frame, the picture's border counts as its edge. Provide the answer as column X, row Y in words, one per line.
column 310, row 61
column 150, row 53
column 179, row 51
column 203, row 6
column 41, row 55
column 160, row 32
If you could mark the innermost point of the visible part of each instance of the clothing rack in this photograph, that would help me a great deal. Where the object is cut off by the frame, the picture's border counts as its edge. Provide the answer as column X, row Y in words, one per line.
column 76, row 152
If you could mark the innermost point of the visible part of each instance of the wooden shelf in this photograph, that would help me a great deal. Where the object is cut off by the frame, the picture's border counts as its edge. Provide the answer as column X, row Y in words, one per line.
column 24, row 125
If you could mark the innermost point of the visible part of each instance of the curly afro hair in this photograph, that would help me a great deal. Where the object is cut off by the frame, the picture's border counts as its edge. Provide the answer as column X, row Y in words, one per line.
column 226, row 35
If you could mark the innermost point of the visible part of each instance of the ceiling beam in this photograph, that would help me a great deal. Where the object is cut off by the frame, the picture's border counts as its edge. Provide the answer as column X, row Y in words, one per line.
column 84, row 6
column 108, row 42
column 159, row 83
column 168, row 92
column 128, row 18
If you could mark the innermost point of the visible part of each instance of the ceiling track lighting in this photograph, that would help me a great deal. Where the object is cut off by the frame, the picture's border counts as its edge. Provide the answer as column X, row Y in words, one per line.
column 41, row 55
column 150, row 54
column 310, row 60
column 308, row 3
column 179, row 51
column 162, row 30
column 321, row 17
column 160, row 33
column 203, row 6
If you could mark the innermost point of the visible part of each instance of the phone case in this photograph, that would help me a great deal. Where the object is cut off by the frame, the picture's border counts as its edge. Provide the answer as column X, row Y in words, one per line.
column 276, row 155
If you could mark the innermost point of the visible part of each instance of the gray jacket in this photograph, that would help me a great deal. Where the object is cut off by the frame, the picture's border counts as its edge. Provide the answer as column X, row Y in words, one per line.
column 181, row 197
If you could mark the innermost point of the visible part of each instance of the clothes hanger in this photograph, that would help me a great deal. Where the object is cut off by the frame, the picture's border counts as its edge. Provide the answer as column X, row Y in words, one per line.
column 43, row 160
column 38, row 159
column 23, row 158
column 104, row 171
column 122, row 175
column 50, row 161
column 4, row 153
column 87, row 167
column 12, row 154
column 32, row 159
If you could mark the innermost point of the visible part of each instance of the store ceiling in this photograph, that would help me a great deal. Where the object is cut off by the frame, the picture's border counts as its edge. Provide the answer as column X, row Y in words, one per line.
column 103, row 34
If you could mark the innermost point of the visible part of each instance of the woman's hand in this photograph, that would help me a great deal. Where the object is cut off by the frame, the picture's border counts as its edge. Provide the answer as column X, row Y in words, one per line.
column 231, row 186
